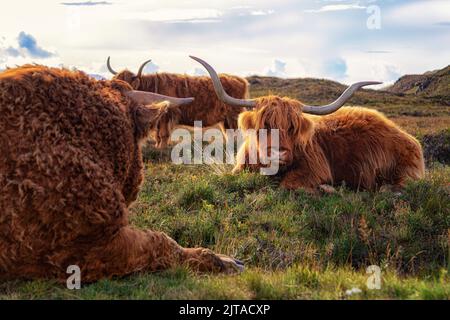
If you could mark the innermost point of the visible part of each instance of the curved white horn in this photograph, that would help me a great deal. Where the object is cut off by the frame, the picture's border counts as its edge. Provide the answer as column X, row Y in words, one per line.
column 141, row 69
column 220, row 91
column 330, row 108
column 108, row 65
column 146, row 98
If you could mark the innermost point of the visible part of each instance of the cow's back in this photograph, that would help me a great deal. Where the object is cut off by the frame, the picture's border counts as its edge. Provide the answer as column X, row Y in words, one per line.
column 61, row 135
column 366, row 149
column 206, row 106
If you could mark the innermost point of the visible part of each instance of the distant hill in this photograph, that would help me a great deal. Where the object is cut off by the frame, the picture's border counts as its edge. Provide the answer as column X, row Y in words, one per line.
column 97, row 76
column 320, row 91
column 432, row 84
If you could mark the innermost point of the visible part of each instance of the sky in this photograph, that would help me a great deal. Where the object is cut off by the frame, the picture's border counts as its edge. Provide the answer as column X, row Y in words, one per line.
column 341, row 40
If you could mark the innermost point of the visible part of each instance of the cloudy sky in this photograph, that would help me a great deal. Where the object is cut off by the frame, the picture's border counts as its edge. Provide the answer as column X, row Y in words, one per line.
column 343, row 40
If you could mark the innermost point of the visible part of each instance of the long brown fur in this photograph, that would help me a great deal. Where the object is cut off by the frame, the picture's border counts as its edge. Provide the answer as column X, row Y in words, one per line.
column 355, row 146
column 206, row 107
column 70, row 165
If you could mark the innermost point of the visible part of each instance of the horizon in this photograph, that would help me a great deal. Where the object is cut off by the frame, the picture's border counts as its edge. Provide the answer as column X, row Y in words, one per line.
column 340, row 40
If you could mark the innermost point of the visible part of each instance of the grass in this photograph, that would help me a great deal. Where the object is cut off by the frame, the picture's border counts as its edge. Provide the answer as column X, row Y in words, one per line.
column 421, row 126
column 296, row 282
column 295, row 246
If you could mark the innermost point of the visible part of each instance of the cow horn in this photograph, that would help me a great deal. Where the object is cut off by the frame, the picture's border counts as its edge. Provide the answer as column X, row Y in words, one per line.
column 330, row 108
column 146, row 98
column 220, row 91
column 141, row 69
column 108, row 64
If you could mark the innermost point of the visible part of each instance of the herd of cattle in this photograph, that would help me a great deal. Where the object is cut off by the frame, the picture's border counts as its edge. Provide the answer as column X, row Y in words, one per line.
column 206, row 107
column 71, row 161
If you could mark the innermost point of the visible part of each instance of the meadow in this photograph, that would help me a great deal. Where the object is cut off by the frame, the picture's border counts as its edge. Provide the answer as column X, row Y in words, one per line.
column 294, row 245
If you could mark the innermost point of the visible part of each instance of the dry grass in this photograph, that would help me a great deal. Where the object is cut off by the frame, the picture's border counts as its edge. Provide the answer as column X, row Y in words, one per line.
column 419, row 126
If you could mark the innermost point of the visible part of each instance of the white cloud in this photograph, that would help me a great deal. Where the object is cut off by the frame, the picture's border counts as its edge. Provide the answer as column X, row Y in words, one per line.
column 278, row 69
column 23, row 49
column 336, row 7
column 240, row 7
column 261, row 12
column 151, row 67
column 176, row 15
column 420, row 13
column 170, row 30
column 362, row 67
column 195, row 21
column 87, row 3
column 198, row 72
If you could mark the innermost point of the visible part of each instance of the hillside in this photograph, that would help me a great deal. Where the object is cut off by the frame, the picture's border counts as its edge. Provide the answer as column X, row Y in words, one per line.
column 432, row 84
column 320, row 91
column 435, row 92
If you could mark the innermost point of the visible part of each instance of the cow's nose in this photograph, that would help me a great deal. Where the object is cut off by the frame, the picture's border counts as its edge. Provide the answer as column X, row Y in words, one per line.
column 280, row 156
column 275, row 152
column 283, row 155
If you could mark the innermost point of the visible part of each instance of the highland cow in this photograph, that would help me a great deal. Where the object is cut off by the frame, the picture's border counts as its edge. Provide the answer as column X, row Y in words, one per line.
column 70, row 167
column 206, row 107
column 357, row 147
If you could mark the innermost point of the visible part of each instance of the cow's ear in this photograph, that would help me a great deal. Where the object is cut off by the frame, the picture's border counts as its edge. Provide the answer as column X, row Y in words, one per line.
column 305, row 130
column 144, row 118
column 246, row 120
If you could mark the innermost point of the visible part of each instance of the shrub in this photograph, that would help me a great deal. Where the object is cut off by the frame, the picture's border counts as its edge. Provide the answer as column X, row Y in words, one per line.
column 436, row 147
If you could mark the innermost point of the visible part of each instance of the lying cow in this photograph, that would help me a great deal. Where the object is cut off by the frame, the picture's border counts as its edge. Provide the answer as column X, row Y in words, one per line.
column 356, row 146
column 206, row 107
column 70, row 167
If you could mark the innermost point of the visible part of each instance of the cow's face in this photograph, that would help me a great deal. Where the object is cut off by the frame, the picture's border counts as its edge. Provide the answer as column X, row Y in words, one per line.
column 130, row 78
column 145, row 114
column 284, row 114
column 157, row 120
column 165, row 121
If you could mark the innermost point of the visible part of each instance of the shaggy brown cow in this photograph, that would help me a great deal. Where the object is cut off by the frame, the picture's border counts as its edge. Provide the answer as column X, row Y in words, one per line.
column 206, row 107
column 356, row 146
column 70, row 166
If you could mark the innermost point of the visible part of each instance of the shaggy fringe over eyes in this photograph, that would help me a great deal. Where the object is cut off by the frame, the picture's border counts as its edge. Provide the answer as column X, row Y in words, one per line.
column 279, row 113
column 128, row 77
column 154, row 117
column 165, row 114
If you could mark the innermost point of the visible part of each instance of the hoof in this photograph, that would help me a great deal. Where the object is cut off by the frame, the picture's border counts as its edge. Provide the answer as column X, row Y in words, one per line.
column 231, row 265
column 325, row 188
column 204, row 260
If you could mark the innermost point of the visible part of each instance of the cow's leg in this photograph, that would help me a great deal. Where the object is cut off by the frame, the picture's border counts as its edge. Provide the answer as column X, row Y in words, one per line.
column 241, row 159
column 300, row 179
column 223, row 128
column 134, row 250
